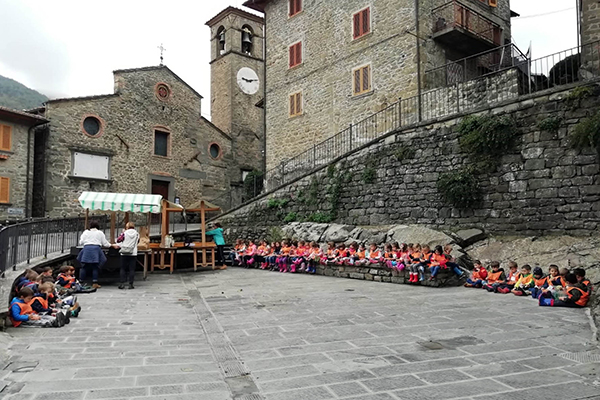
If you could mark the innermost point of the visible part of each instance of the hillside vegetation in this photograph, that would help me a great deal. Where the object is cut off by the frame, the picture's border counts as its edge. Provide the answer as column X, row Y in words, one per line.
column 18, row 96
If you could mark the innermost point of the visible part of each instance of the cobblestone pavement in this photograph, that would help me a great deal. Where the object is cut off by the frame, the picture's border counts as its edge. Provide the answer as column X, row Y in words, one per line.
column 247, row 334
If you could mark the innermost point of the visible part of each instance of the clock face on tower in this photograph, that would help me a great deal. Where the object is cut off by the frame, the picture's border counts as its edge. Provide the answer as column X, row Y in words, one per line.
column 247, row 80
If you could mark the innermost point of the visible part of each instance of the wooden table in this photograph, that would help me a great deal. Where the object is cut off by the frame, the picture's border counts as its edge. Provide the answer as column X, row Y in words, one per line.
column 161, row 252
column 144, row 253
column 203, row 262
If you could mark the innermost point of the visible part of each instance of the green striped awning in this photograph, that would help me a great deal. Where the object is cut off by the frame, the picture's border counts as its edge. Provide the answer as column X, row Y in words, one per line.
column 126, row 202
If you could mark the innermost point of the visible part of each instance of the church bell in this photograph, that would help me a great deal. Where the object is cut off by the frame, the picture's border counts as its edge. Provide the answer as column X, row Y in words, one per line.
column 246, row 37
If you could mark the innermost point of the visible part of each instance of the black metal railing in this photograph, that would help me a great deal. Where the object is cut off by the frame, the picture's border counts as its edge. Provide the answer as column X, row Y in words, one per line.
column 456, row 14
column 476, row 66
column 24, row 241
column 510, row 76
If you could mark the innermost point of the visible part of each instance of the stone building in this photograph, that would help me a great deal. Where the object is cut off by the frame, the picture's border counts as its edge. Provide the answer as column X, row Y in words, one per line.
column 237, row 83
column 146, row 137
column 330, row 64
column 16, row 162
column 589, row 21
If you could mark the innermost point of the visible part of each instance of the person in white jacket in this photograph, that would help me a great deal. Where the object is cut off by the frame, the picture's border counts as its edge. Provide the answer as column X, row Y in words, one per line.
column 128, row 243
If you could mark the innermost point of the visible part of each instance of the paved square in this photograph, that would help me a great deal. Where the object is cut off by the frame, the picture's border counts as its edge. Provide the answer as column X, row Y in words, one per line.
column 248, row 334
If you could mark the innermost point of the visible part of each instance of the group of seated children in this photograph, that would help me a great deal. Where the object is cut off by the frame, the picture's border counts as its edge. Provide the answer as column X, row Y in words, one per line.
column 43, row 301
column 301, row 256
column 560, row 288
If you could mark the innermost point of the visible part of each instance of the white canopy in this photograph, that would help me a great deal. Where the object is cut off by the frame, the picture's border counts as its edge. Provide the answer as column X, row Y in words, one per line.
column 126, row 202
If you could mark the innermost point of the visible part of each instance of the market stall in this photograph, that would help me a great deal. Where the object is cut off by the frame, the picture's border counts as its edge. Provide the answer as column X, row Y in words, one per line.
column 125, row 203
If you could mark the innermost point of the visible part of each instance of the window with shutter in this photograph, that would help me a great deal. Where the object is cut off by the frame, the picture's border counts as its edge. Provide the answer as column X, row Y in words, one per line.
column 295, row 54
column 295, row 7
column 5, row 137
column 295, row 104
column 361, row 22
column 362, row 79
column 4, row 190
column 494, row 3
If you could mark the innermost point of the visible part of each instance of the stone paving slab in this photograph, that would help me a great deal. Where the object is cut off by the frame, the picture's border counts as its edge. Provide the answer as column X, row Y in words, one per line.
column 178, row 337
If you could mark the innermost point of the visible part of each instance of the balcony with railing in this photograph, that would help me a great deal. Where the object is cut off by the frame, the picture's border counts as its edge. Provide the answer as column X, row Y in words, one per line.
column 460, row 27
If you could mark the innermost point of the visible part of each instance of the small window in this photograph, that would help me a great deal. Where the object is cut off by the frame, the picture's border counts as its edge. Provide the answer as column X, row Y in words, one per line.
column 295, row 54
column 5, row 137
column 92, row 126
column 362, row 23
column 295, row 104
column 4, row 190
column 362, row 80
column 295, row 7
column 494, row 3
column 161, row 143
column 214, row 150
column 162, row 91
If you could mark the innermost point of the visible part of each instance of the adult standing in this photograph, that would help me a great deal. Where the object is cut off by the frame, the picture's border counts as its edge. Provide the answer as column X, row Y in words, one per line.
column 91, row 257
column 129, row 247
column 217, row 235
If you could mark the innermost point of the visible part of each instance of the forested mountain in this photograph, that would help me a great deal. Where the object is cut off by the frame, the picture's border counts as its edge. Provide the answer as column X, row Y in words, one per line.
column 18, row 96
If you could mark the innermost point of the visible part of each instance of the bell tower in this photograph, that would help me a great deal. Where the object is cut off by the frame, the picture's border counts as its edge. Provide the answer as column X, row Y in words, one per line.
column 237, row 84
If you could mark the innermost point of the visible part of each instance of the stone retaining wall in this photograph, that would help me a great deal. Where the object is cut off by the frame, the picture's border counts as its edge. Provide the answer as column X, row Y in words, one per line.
column 541, row 187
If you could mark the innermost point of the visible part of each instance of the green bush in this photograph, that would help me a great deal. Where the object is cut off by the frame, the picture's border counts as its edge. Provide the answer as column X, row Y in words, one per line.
column 487, row 138
column 460, row 189
column 330, row 170
column 587, row 133
column 277, row 203
column 404, row 152
column 550, row 124
column 320, row 217
column 369, row 174
column 291, row 217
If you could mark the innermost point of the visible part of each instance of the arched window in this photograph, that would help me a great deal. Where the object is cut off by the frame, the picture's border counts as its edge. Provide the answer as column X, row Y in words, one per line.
column 247, row 40
column 221, row 40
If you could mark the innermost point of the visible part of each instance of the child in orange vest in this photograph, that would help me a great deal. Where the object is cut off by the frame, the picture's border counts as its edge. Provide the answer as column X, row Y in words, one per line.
column 375, row 256
column 361, row 256
column 573, row 295
column 524, row 283
column 314, row 257
column 511, row 279
column 415, row 260
column 540, row 282
column 478, row 276
column 437, row 262
column 21, row 313
column 584, row 283
column 495, row 278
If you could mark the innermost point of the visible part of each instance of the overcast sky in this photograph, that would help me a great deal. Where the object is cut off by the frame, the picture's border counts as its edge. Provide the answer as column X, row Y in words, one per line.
column 66, row 48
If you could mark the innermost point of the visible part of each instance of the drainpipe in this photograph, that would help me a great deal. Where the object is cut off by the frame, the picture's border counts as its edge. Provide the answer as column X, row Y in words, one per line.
column 28, row 168
column 418, row 35
column 265, row 97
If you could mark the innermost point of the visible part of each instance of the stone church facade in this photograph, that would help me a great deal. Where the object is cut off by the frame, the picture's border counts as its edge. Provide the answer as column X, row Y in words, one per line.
column 146, row 137
column 331, row 64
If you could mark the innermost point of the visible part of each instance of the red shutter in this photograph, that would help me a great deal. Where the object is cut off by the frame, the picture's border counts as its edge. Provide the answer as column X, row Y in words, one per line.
column 292, row 7
column 356, row 25
column 299, row 53
column 292, row 104
column 298, row 6
column 365, row 82
column 4, row 190
column 5, row 137
column 292, row 56
column 298, row 103
column 366, row 21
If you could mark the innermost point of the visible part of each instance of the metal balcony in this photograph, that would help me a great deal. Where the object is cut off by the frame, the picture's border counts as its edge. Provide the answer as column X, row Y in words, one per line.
column 461, row 28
